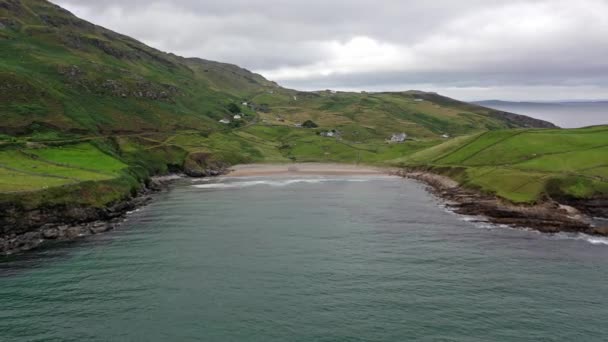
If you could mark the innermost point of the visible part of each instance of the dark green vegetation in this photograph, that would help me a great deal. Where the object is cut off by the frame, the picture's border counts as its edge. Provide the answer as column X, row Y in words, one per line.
column 88, row 115
column 309, row 124
column 525, row 165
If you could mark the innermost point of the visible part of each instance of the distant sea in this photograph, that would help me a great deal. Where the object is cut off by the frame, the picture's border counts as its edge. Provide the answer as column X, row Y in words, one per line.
column 563, row 114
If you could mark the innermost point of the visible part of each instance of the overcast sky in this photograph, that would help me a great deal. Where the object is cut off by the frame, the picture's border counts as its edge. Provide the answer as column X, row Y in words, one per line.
column 468, row 49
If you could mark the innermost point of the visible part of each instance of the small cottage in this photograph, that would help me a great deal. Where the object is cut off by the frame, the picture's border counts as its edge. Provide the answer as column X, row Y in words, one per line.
column 398, row 138
column 225, row 121
column 237, row 117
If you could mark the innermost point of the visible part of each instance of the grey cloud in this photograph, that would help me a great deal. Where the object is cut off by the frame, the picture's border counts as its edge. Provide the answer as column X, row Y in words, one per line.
column 382, row 44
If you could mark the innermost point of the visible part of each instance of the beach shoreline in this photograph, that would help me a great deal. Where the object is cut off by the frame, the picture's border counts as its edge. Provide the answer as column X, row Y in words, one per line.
column 311, row 169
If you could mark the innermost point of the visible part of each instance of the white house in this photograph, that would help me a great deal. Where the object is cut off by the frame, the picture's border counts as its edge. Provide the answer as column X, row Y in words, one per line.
column 237, row 117
column 331, row 134
column 446, row 136
column 398, row 138
column 225, row 121
column 245, row 104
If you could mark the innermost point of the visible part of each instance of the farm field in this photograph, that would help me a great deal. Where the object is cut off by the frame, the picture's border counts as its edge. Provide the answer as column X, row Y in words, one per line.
column 525, row 165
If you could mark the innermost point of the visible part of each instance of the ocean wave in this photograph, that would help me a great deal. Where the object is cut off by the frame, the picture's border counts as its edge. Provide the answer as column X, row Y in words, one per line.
column 483, row 223
column 594, row 240
column 278, row 182
column 204, row 180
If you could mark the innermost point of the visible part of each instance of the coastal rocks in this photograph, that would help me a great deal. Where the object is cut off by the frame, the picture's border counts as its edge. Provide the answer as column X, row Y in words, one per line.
column 597, row 207
column 601, row 231
column 22, row 230
column 23, row 241
column 547, row 217
column 200, row 164
column 51, row 233
column 15, row 243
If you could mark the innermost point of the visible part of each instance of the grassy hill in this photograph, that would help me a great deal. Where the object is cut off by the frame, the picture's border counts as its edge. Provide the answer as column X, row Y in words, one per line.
column 525, row 165
column 89, row 114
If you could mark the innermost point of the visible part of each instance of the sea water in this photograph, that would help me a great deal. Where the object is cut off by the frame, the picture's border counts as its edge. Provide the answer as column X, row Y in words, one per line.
column 307, row 259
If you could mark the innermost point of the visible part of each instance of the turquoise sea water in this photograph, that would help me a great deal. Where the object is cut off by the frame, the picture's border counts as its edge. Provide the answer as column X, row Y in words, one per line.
column 317, row 259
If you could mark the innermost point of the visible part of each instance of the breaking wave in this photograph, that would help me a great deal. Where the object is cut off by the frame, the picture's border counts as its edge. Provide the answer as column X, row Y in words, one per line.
column 594, row 240
column 280, row 182
column 483, row 223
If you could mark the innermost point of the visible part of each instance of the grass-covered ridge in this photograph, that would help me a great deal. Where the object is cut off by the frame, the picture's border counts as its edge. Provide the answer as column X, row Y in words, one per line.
column 525, row 165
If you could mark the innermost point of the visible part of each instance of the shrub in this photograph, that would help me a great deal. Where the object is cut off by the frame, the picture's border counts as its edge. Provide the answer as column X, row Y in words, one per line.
column 309, row 124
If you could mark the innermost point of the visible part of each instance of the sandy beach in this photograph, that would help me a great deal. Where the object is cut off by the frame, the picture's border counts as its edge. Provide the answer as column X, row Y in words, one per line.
column 247, row 170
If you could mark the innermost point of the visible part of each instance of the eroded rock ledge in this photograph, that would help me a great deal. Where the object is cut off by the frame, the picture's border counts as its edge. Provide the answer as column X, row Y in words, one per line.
column 546, row 217
column 25, row 230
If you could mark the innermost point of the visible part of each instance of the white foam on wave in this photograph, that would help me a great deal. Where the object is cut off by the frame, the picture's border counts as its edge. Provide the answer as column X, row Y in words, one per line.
column 483, row 223
column 279, row 182
column 594, row 240
column 204, row 180
column 471, row 218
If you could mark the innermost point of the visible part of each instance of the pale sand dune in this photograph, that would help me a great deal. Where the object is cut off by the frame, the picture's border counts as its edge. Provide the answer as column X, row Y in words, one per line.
column 305, row 169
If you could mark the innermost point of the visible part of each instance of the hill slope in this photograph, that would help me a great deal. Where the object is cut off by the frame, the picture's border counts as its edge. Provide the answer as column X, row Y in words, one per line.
column 63, row 74
column 525, row 165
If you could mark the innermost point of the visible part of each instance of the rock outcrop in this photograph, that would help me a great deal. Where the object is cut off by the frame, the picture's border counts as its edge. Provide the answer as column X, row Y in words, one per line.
column 201, row 164
column 22, row 230
column 546, row 217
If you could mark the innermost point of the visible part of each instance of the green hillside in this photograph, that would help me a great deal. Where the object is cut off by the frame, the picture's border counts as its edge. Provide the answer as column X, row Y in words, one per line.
column 525, row 165
column 84, row 109
column 62, row 76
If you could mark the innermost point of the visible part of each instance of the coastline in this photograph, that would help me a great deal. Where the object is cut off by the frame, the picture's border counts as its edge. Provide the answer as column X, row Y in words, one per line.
column 317, row 169
column 546, row 217
column 85, row 221
column 72, row 223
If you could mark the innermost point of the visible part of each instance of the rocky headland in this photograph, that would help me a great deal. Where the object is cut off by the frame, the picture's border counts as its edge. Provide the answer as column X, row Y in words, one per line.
column 549, row 216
